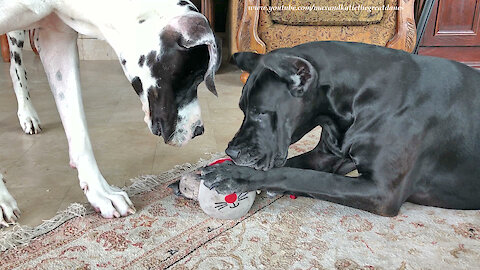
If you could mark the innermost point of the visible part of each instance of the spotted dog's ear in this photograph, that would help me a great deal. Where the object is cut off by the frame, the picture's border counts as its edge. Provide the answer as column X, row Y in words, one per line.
column 298, row 72
column 195, row 31
column 246, row 61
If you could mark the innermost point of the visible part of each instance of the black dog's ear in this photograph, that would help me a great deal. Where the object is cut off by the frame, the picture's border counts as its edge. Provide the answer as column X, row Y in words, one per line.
column 246, row 61
column 297, row 71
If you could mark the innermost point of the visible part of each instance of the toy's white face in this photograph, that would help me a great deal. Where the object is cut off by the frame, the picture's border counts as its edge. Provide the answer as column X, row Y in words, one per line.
column 231, row 201
column 232, row 206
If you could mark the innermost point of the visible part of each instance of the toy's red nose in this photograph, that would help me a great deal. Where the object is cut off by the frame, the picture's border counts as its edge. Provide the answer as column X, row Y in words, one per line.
column 231, row 198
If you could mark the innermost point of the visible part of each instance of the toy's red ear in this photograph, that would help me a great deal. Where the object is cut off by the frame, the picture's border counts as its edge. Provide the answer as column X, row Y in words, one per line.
column 220, row 161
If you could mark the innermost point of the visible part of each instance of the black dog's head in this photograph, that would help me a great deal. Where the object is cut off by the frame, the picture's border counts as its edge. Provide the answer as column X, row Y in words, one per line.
column 275, row 102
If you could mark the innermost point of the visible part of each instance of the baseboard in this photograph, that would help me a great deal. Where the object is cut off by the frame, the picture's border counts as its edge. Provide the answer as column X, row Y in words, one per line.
column 95, row 49
column 468, row 55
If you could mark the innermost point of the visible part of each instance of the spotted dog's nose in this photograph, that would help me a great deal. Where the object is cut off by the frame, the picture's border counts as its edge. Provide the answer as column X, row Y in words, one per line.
column 198, row 131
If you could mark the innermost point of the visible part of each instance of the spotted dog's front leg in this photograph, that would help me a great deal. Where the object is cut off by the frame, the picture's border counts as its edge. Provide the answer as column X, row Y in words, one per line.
column 9, row 211
column 27, row 116
column 59, row 54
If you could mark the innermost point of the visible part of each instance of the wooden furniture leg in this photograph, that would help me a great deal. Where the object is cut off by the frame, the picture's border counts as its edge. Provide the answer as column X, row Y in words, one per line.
column 208, row 9
column 31, row 36
column 5, row 48
column 247, row 35
column 406, row 34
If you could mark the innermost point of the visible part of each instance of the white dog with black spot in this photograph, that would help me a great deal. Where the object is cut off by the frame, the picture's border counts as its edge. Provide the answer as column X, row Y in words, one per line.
column 166, row 49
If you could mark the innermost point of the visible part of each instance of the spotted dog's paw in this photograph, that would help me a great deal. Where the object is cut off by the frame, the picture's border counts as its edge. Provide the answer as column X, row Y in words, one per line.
column 29, row 121
column 108, row 200
column 9, row 212
column 228, row 178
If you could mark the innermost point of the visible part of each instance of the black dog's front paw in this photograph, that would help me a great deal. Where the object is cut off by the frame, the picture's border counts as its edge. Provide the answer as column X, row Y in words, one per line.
column 228, row 178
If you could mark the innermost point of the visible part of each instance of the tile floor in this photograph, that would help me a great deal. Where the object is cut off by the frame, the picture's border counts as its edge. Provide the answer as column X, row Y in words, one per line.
column 36, row 166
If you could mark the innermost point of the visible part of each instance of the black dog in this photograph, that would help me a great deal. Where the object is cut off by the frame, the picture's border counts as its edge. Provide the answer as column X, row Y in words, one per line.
column 409, row 124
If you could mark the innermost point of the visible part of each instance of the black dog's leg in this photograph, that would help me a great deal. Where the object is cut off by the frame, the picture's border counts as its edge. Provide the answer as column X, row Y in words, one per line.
column 327, row 156
column 319, row 161
column 361, row 192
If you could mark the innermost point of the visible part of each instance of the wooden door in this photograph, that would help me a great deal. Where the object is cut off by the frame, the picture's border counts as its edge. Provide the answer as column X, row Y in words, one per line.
column 453, row 31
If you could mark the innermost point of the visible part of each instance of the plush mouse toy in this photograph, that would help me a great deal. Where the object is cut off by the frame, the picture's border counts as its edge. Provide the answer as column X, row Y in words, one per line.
column 231, row 206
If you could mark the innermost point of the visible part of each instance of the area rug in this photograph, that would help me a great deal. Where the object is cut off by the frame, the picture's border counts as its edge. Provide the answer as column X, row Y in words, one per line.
column 278, row 233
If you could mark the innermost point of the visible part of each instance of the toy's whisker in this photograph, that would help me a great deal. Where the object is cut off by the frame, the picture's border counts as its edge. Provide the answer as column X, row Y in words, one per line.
column 221, row 203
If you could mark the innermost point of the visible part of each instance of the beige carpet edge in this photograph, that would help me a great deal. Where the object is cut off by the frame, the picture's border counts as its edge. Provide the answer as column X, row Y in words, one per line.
column 21, row 235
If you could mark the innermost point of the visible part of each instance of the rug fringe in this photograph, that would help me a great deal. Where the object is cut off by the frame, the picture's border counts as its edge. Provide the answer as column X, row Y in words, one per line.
column 22, row 235
column 148, row 182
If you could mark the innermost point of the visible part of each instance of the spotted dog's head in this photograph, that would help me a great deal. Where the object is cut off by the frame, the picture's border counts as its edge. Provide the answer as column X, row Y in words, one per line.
column 172, row 49
column 276, row 102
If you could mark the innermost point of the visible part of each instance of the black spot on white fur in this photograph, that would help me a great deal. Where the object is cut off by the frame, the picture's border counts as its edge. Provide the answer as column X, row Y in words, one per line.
column 16, row 72
column 124, row 62
column 141, row 21
column 13, row 41
column 141, row 61
column 137, row 85
column 17, row 58
column 58, row 75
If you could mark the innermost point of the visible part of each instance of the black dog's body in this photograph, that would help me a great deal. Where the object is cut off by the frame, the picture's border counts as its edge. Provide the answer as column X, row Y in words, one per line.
column 409, row 124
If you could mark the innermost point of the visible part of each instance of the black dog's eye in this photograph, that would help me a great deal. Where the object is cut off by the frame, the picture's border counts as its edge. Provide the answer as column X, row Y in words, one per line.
column 257, row 114
column 255, row 111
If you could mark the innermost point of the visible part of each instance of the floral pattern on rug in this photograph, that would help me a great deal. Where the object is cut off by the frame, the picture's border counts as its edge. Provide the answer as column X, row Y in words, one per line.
column 278, row 233
column 166, row 228
column 309, row 234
